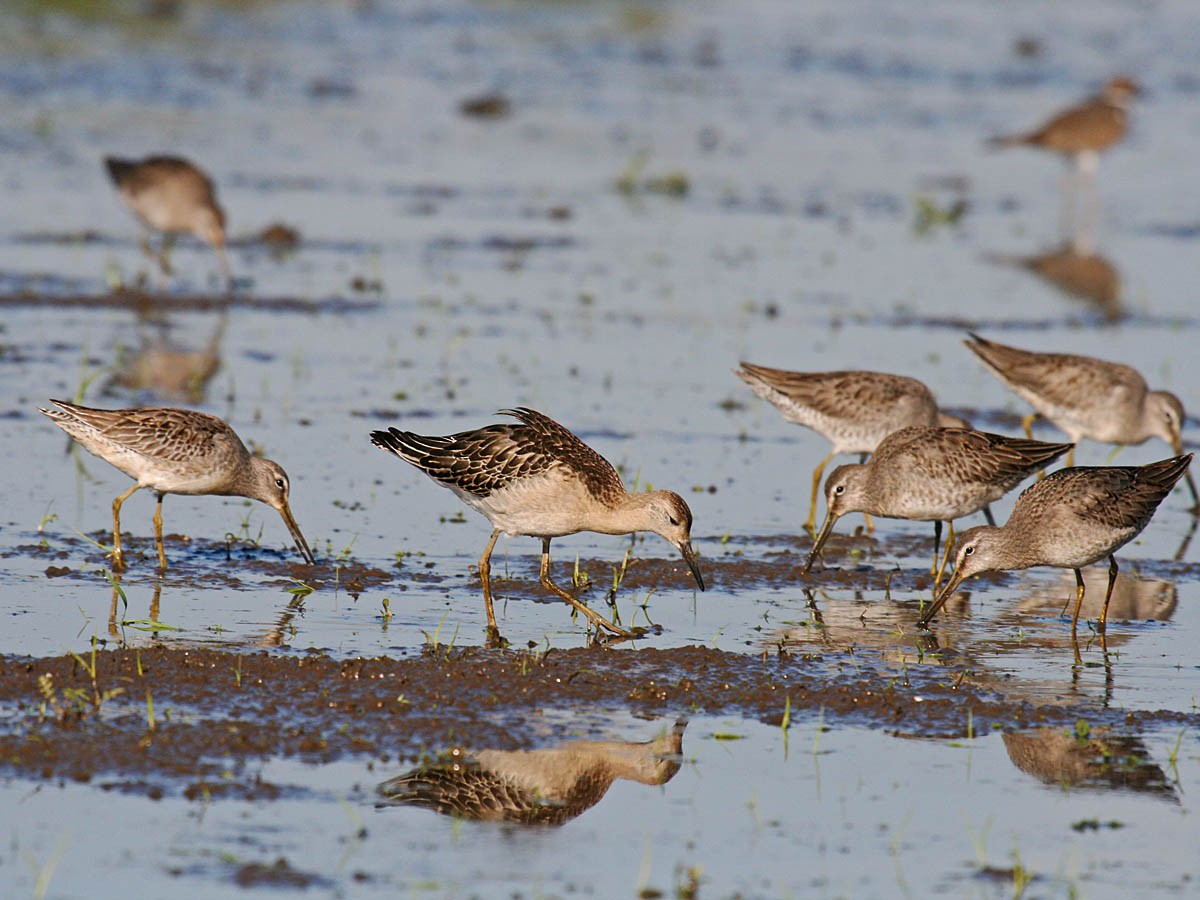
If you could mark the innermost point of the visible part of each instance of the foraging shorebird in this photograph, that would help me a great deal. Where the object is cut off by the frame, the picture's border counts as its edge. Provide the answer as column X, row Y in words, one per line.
column 176, row 451
column 171, row 195
column 932, row 474
column 536, row 478
column 1070, row 519
column 854, row 411
column 1080, row 134
column 535, row 787
column 1087, row 397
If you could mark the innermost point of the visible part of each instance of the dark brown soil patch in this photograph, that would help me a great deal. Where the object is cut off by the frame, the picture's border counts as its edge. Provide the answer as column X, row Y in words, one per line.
column 216, row 712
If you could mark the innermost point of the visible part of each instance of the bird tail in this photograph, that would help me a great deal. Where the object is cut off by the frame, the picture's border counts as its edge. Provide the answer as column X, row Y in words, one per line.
column 119, row 170
column 1000, row 141
column 408, row 446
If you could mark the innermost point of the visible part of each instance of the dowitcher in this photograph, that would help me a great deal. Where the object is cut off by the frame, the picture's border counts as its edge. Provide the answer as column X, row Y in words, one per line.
column 932, row 474
column 176, row 451
column 854, row 411
column 535, row 787
column 538, row 479
column 171, row 195
column 1070, row 519
column 1087, row 397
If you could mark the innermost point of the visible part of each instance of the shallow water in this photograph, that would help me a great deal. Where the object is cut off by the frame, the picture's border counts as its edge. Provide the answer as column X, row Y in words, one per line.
column 451, row 266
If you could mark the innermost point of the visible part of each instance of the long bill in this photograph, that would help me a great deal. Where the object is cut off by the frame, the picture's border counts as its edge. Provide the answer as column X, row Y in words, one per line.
column 301, row 543
column 689, row 557
column 947, row 592
column 826, row 530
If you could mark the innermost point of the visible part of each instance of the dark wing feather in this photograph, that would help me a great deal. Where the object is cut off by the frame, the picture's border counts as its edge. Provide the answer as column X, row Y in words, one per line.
column 1119, row 497
column 467, row 790
column 489, row 459
column 177, row 435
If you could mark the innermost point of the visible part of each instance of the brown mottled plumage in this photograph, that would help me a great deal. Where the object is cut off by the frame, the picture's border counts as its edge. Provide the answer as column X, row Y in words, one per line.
column 536, row 478
column 535, row 787
column 854, row 410
column 932, row 474
column 172, row 195
column 175, row 451
column 1070, row 519
column 1087, row 397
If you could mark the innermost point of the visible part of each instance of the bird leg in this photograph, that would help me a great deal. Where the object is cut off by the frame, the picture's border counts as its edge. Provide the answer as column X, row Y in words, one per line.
column 1079, row 589
column 1070, row 461
column 1112, row 580
column 941, row 569
column 987, row 514
column 1027, row 424
column 158, row 539
column 118, row 557
column 937, row 543
column 593, row 617
column 862, row 458
column 811, row 525
column 485, row 572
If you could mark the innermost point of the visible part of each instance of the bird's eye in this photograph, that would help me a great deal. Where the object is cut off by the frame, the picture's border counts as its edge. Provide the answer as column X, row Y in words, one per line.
column 672, row 520
column 840, row 489
column 280, row 483
column 968, row 550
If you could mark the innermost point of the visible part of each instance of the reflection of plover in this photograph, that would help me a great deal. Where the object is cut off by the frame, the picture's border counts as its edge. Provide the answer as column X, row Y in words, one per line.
column 854, row 411
column 1070, row 519
column 1083, row 130
column 538, row 479
column 932, row 474
column 171, row 195
column 176, row 451
column 1087, row 397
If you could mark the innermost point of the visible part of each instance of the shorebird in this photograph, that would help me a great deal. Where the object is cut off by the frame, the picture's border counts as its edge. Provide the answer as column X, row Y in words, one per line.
column 1080, row 133
column 538, row 479
column 1083, row 130
column 171, row 195
column 1087, row 397
column 535, row 787
column 932, row 474
column 1070, row 519
column 854, row 411
column 175, row 451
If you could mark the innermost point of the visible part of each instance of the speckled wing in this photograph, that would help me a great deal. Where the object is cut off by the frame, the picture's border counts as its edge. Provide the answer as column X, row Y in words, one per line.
column 1062, row 380
column 172, row 435
column 467, row 790
column 963, row 455
column 833, row 394
column 487, row 460
column 1118, row 497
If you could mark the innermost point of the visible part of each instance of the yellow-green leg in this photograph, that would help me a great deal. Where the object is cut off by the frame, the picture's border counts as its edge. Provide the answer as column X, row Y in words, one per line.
column 1112, row 580
column 1079, row 589
column 940, row 570
column 118, row 557
column 158, row 538
column 811, row 525
column 594, row 617
column 1027, row 424
column 485, row 575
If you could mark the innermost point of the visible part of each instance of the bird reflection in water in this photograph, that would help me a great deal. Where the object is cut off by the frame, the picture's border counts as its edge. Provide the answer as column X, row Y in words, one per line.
column 1087, row 758
column 162, row 370
column 1078, row 272
column 534, row 787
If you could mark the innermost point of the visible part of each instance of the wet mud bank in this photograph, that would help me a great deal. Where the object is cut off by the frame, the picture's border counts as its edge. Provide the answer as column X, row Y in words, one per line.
column 195, row 722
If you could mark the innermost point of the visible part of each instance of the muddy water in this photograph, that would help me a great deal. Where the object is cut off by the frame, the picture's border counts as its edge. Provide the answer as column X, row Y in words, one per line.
column 451, row 265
